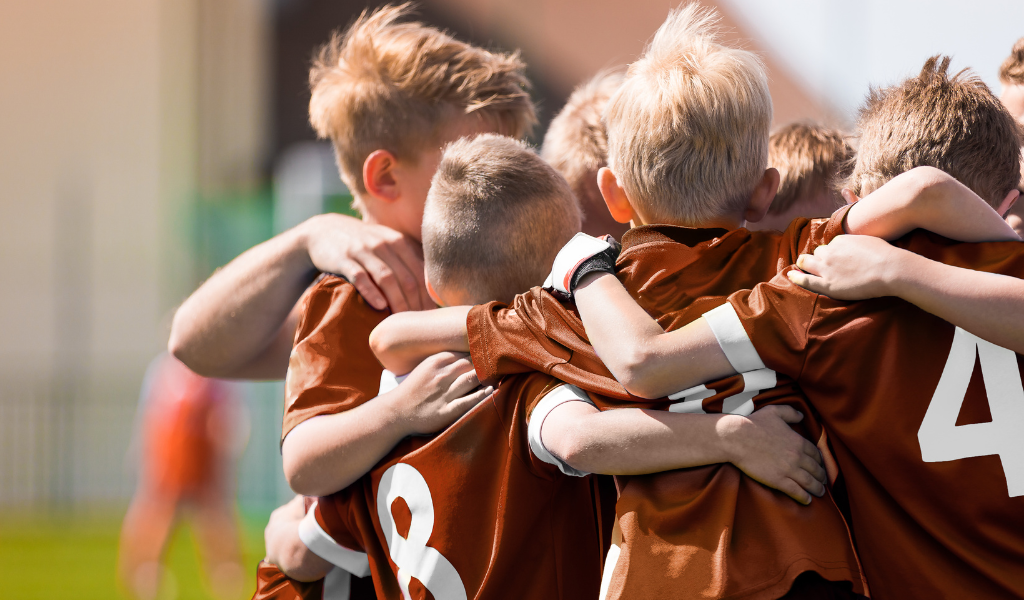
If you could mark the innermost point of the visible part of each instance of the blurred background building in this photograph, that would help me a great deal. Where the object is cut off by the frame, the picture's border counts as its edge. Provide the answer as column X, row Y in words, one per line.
column 144, row 143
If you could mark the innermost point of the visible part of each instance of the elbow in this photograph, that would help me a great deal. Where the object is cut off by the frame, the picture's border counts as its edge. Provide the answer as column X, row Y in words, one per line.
column 181, row 344
column 385, row 342
column 633, row 370
column 573, row 450
column 301, row 473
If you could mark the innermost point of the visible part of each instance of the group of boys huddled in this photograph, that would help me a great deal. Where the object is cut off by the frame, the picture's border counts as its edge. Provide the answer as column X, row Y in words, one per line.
column 785, row 411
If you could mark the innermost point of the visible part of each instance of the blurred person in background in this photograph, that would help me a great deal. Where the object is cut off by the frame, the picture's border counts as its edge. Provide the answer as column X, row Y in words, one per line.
column 1011, row 75
column 190, row 432
column 810, row 159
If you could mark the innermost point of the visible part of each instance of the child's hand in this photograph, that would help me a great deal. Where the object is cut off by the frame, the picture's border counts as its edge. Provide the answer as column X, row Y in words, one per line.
column 770, row 452
column 384, row 265
column 851, row 267
column 437, row 392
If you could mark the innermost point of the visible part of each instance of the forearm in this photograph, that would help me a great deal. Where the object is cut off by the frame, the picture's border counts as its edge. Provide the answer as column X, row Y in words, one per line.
column 633, row 441
column 238, row 317
column 327, row 453
column 646, row 360
column 403, row 340
column 927, row 198
column 989, row 305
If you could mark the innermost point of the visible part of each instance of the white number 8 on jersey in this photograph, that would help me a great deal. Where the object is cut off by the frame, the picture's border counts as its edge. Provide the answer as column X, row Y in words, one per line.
column 942, row 440
column 412, row 554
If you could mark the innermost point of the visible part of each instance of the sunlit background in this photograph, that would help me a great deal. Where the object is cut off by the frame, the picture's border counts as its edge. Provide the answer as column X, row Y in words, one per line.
column 144, row 143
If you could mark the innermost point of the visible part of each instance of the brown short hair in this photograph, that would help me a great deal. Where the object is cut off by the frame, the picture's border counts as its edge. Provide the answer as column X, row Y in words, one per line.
column 392, row 85
column 688, row 128
column 496, row 216
column 952, row 123
column 1012, row 71
column 810, row 158
column 576, row 143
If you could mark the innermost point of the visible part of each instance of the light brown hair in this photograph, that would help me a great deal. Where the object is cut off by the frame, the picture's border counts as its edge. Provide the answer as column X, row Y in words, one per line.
column 496, row 216
column 688, row 128
column 1012, row 71
column 576, row 143
column 385, row 84
column 811, row 159
column 953, row 123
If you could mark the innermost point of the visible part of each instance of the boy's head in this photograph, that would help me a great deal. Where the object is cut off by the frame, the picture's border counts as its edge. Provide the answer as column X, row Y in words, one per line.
column 390, row 94
column 576, row 145
column 495, row 218
column 688, row 129
column 952, row 123
column 811, row 159
column 1011, row 75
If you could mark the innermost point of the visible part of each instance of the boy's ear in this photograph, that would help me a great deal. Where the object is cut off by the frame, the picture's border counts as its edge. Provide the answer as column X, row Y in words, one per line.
column 1008, row 202
column 762, row 196
column 614, row 196
column 378, row 177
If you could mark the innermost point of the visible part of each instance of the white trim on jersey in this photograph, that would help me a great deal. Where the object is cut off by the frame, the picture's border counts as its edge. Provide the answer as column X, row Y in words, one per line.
column 389, row 381
column 324, row 546
column 337, row 585
column 733, row 339
column 556, row 397
column 692, row 400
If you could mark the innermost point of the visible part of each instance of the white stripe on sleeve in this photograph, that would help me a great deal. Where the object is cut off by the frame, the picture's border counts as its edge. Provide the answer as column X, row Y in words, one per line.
column 556, row 397
column 733, row 339
column 324, row 546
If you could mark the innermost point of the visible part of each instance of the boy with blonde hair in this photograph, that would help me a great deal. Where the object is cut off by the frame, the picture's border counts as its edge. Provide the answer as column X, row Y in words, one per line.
column 935, row 484
column 389, row 95
column 483, row 491
column 576, row 145
column 688, row 137
column 811, row 160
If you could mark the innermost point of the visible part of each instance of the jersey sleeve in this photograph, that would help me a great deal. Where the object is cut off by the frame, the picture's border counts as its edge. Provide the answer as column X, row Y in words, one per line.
column 536, row 333
column 766, row 327
column 331, row 368
column 539, row 412
column 328, row 532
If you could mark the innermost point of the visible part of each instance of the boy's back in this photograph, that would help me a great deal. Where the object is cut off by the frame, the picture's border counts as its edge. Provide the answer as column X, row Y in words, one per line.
column 925, row 420
column 699, row 532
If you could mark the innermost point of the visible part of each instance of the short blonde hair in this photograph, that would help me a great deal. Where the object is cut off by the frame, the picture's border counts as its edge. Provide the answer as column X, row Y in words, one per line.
column 811, row 158
column 953, row 123
column 1012, row 70
column 688, row 128
column 576, row 143
column 392, row 85
column 496, row 216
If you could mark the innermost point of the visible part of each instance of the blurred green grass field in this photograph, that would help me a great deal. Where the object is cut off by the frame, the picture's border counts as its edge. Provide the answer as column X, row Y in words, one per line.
column 63, row 558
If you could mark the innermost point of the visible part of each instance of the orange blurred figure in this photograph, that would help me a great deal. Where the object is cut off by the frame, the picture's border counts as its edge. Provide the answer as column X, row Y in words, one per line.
column 190, row 439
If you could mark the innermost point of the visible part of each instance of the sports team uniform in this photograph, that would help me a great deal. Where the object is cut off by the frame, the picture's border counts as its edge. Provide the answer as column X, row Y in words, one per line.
column 339, row 584
column 470, row 512
column 926, row 420
column 707, row 532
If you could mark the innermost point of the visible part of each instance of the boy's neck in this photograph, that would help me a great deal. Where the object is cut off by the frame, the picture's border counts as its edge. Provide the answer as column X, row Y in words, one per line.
column 723, row 222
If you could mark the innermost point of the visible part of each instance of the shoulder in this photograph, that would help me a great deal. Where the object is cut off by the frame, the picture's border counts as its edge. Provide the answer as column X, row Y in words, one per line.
column 332, row 299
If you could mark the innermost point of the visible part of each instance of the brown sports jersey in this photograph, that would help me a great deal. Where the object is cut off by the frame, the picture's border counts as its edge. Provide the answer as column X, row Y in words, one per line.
column 331, row 368
column 473, row 513
column 470, row 512
column 708, row 532
column 926, row 420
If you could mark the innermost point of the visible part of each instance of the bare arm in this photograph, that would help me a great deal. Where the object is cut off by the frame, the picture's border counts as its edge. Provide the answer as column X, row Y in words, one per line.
column 402, row 341
column 632, row 441
column 327, row 453
column 927, row 198
column 645, row 359
column 286, row 550
column 240, row 322
column 851, row 267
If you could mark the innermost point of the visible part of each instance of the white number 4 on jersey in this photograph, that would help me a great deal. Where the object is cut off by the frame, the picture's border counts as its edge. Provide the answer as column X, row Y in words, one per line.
column 942, row 440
